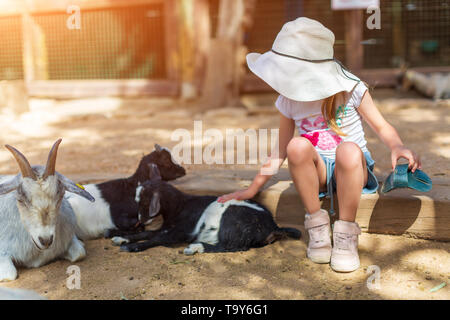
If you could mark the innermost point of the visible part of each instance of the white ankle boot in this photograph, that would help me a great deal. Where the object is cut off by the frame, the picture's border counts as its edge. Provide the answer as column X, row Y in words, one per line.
column 344, row 256
column 319, row 245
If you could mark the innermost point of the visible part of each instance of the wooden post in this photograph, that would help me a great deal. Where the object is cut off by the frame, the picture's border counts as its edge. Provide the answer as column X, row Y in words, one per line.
column 35, row 61
column 354, row 51
column 225, row 64
column 398, row 44
column 171, row 40
column 202, row 31
column 187, row 55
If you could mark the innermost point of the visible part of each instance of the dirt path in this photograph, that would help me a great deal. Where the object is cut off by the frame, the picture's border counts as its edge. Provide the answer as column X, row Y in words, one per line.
column 409, row 269
column 107, row 136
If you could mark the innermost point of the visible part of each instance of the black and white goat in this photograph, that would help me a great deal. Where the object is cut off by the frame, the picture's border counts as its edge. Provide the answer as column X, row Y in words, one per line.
column 116, row 205
column 37, row 224
column 209, row 226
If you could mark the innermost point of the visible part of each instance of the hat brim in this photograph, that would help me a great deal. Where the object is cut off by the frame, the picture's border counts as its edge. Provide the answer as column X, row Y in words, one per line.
column 301, row 80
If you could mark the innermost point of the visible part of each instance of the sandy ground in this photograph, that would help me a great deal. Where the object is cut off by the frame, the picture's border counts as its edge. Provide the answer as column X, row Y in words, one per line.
column 106, row 137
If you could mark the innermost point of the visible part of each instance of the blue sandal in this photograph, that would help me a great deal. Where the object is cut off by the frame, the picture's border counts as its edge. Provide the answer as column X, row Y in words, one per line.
column 401, row 177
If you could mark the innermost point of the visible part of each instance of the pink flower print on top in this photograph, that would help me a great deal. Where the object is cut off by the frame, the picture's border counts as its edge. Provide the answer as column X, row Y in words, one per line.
column 314, row 137
column 318, row 124
column 328, row 140
column 325, row 140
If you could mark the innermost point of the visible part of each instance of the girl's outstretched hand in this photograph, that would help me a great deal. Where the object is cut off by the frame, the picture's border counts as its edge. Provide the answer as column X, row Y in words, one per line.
column 403, row 152
column 244, row 194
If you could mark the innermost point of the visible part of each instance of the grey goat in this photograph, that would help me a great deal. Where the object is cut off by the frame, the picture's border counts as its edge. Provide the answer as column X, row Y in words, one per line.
column 37, row 225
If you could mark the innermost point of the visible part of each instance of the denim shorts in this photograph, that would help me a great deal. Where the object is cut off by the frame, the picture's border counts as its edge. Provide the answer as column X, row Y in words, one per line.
column 370, row 187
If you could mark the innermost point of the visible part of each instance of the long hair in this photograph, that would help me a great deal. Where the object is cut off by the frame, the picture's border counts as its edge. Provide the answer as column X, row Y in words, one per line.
column 329, row 107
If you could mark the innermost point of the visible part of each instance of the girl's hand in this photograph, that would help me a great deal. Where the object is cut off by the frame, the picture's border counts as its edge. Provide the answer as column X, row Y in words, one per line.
column 403, row 152
column 244, row 194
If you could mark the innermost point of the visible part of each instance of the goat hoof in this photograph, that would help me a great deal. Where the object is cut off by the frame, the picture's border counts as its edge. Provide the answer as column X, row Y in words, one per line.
column 118, row 241
column 124, row 249
column 129, row 248
column 7, row 271
column 193, row 248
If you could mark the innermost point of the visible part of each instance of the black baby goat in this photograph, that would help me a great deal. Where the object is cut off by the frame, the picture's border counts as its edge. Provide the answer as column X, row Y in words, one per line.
column 116, row 205
column 209, row 226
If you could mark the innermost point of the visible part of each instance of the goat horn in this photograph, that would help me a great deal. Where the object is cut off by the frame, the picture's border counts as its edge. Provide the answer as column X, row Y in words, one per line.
column 158, row 147
column 23, row 163
column 51, row 161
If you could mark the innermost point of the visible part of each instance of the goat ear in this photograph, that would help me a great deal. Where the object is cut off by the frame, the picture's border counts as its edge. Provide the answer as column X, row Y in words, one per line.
column 155, row 205
column 10, row 185
column 158, row 147
column 71, row 186
column 154, row 174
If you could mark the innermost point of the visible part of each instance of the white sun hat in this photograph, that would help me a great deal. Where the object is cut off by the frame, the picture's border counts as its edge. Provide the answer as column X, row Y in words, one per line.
column 301, row 65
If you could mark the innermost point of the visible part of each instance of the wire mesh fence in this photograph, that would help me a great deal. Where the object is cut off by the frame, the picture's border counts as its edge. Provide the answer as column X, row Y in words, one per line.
column 129, row 42
column 413, row 32
column 111, row 43
column 115, row 43
column 427, row 32
column 11, row 64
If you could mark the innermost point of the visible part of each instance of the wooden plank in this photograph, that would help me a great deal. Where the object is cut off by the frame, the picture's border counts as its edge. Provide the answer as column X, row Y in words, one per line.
column 171, row 34
column 35, row 60
column 51, row 6
column 354, row 50
column 399, row 212
column 223, row 74
column 70, row 89
column 202, row 32
column 380, row 77
column 431, row 69
column 186, row 52
column 374, row 77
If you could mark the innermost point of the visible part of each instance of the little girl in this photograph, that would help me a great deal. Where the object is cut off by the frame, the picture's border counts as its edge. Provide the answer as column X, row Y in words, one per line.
column 326, row 103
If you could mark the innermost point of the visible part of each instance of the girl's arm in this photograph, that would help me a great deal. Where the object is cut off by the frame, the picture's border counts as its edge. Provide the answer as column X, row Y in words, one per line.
column 286, row 132
column 387, row 133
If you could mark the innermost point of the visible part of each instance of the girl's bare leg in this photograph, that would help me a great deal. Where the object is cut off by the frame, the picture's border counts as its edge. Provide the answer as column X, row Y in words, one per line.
column 308, row 171
column 351, row 177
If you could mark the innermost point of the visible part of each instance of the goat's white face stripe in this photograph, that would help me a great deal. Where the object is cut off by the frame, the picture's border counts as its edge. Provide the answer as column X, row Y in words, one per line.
column 211, row 219
column 137, row 197
column 40, row 213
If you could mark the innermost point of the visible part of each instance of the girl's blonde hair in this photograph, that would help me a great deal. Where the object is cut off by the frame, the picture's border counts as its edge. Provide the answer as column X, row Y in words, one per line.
column 329, row 107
